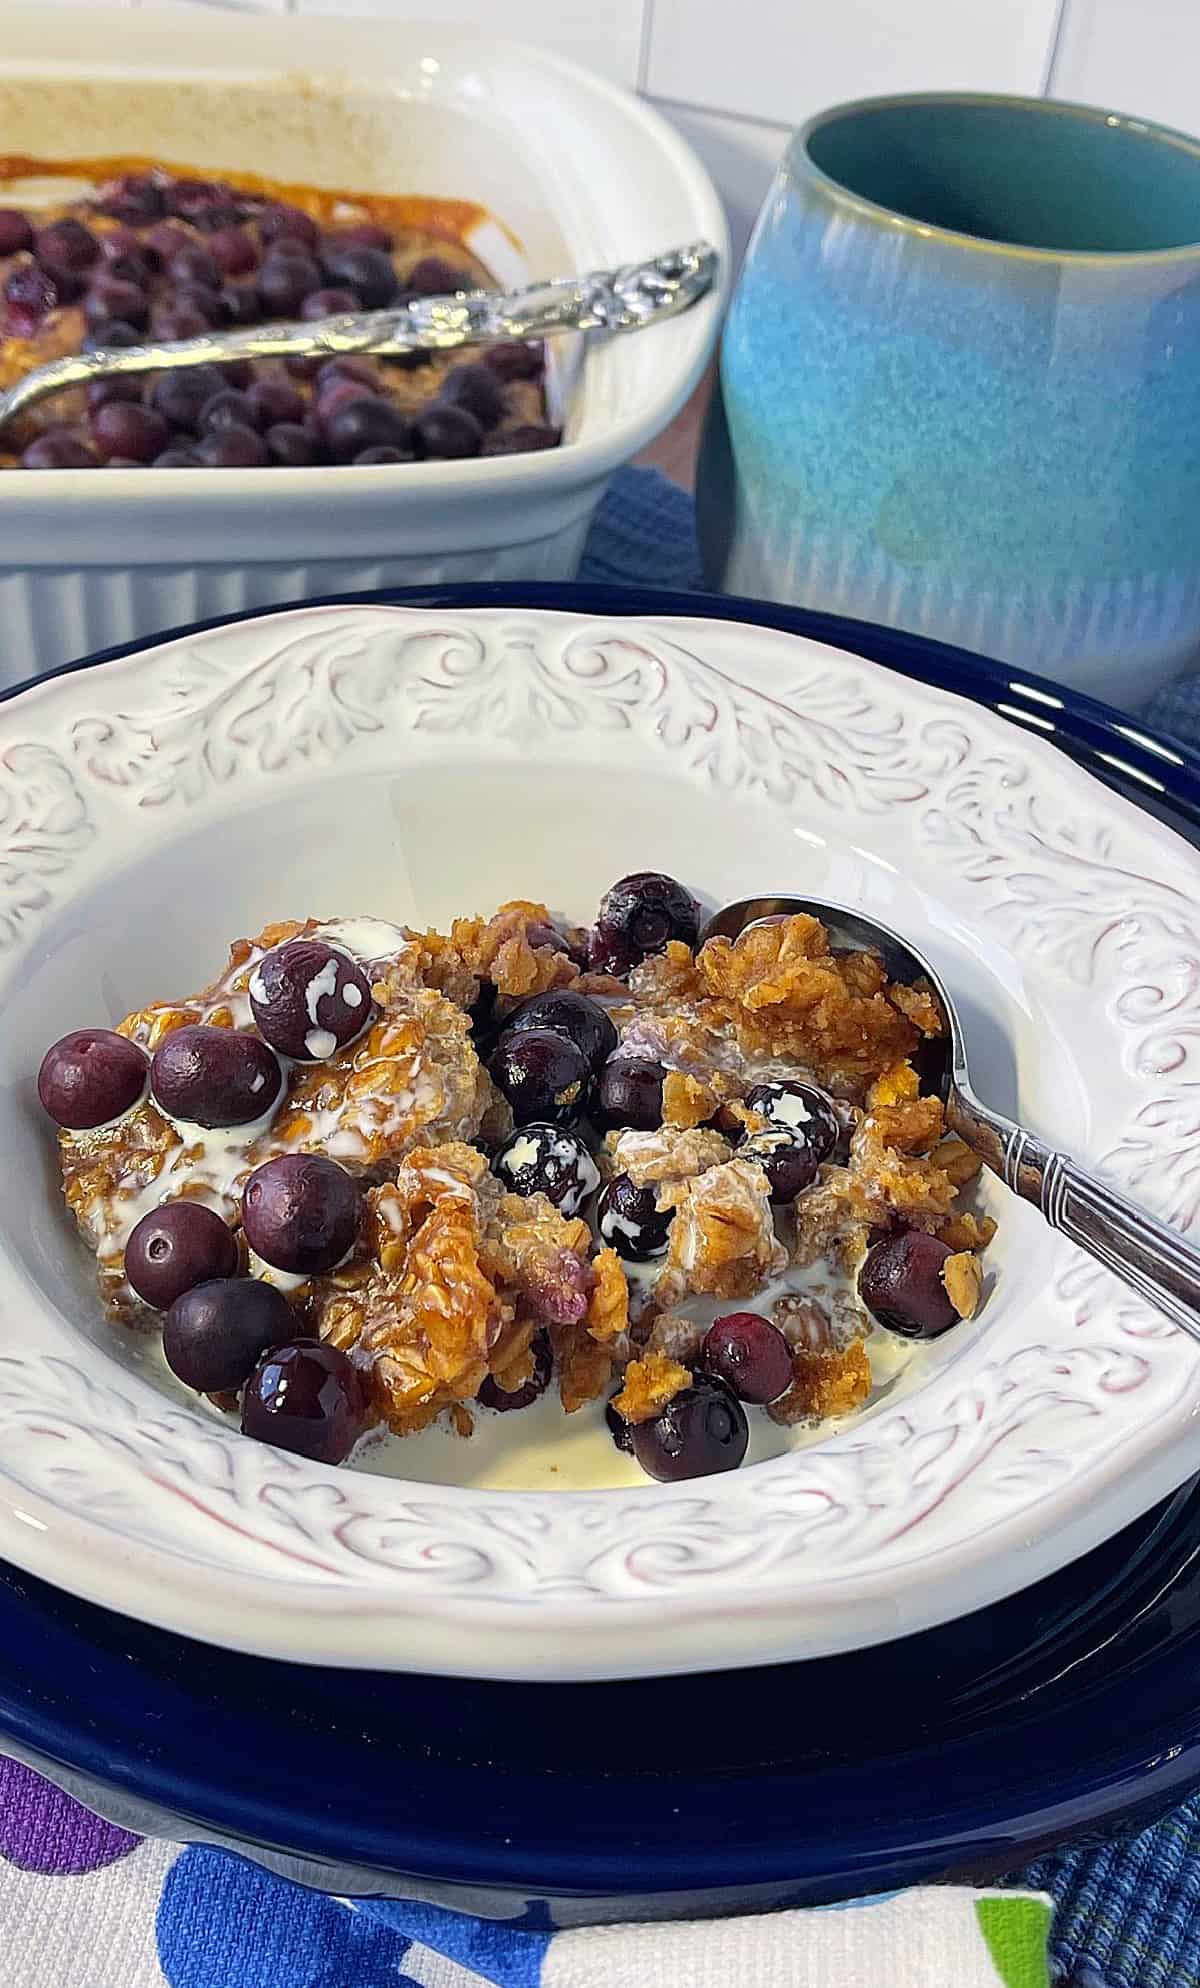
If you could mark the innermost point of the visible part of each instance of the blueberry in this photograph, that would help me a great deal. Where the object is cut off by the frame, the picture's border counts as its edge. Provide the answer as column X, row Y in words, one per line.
column 492, row 1395
column 516, row 361
column 477, row 389
column 433, row 276
column 284, row 281
column 573, row 1015
column 90, row 1077
column 227, row 409
column 328, row 304
column 241, row 306
column 618, row 1429
column 215, row 1333
column 309, row 999
column 639, row 916
column 111, row 297
column 211, row 1076
column 232, row 251
column 629, row 1220
column 549, row 1160
column 447, row 433
column 367, row 272
column 109, row 335
column 543, row 1075
column 293, row 446
column 15, row 231
column 66, row 244
column 800, row 1109
column 126, row 428
column 234, row 447
column 283, row 222
column 630, row 1094
column 175, row 1246
column 702, row 1431
column 301, row 1213
column 357, row 234
column 901, row 1285
column 749, row 1355
column 788, row 1163
column 29, row 294
column 306, row 1397
column 367, row 421
column 192, row 265
column 179, row 396
column 58, row 450
column 273, row 400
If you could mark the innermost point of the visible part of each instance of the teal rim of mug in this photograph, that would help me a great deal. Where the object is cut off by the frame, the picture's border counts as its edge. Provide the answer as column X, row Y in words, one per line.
column 798, row 159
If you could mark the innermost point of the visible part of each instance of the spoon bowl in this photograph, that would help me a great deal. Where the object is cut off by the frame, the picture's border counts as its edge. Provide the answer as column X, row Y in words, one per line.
column 1151, row 1258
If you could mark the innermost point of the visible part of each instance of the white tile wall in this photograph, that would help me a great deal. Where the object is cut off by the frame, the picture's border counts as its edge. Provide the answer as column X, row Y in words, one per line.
column 782, row 59
column 736, row 79
column 1132, row 55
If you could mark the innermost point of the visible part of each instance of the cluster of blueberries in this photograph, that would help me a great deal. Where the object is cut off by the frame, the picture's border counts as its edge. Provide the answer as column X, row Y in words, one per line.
column 190, row 256
column 557, row 1060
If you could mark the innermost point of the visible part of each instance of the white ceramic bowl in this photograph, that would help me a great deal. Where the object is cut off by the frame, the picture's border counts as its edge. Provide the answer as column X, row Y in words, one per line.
column 578, row 175
column 414, row 764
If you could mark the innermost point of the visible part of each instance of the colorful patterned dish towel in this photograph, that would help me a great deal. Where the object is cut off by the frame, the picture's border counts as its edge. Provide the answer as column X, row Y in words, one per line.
column 86, row 1905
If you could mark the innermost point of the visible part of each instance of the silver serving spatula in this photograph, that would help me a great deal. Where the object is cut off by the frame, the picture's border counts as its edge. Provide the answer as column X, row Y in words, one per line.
column 612, row 300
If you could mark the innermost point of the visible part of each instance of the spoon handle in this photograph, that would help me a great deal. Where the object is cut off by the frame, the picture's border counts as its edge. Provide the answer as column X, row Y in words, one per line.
column 1154, row 1260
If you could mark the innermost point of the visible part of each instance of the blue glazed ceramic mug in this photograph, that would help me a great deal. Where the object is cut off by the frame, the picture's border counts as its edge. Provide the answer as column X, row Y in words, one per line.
column 960, row 386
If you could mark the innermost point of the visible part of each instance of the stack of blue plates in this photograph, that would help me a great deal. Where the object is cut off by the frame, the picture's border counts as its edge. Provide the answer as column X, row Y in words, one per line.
column 966, row 1749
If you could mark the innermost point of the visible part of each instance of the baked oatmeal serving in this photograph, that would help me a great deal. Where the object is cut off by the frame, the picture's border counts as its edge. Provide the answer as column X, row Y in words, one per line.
column 372, row 1177
column 148, row 252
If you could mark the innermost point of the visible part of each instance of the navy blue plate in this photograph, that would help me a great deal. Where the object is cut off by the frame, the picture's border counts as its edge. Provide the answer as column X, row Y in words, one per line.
column 968, row 1748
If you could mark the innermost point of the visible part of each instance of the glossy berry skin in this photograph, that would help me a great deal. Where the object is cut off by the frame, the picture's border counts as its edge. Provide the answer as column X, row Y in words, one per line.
column 328, row 304
column 15, row 231
column 215, row 1334
column 284, row 281
column 447, row 434
column 29, row 292
column 749, row 1355
column 210, row 1076
column 125, row 428
column 66, row 244
column 788, row 1163
column 175, row 1246
column 90, row 1077
column 301, row 1213
column 179, row 396
column 305, row 1397
column 584, row 1022
column 800, row 1109
column 642, row 913
column 282, row 222
column 227, row 409
column 273, row 400
column 367, row 272
column 492, row 1395
column 900, row 1283
column 549, row 1160
column 366, row 421
column 293, row 446
column 308, row 999
column 57, row 450
column 629, row 1220
column 618, row 1429
column 477, row 389
column 630, row 1094
column 703, row 1431
column 111, row 297
column 234, row 447
column 544, row 1076
column 433, row 276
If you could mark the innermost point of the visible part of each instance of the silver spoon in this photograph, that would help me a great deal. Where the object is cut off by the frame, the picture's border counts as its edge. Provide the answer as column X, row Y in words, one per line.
column 1152, row 1259
column 628, row 298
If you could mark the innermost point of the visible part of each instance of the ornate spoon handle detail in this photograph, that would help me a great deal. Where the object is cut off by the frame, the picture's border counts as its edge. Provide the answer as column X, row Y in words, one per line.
column 614, row 300
column 1154, row 1260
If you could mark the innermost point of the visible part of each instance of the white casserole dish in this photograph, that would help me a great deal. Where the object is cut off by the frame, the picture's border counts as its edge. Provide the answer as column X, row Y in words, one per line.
column 578, row 174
